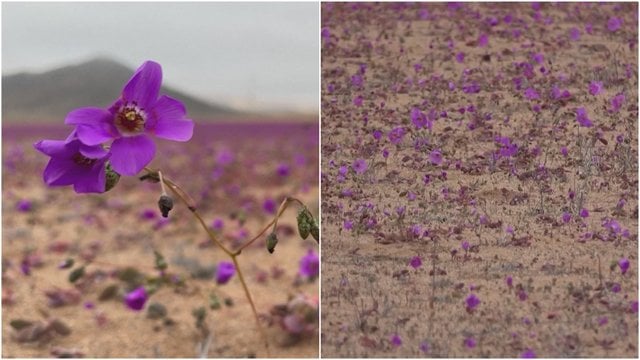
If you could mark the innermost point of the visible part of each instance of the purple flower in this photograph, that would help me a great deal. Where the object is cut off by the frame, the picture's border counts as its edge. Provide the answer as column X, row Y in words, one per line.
column 566, row 217
column 130, row 120
column 435, row 157
column 74, row 163
column 217, row 224
column 224, row 157
column 623, row 263
column 310, row 265
column 531, row 94
column 574, row 34
column 564, row 151
column 595, row 87
column 616, row 288
column 603, row 320
column 356, row 81
column 584, row 213
column 325, row 34
column 136, row 299
column 460, row 57
column 483, row 40
column 396, row 340
column 23, row 205
column 269, row 206
column 224, row 272
column 283, row 170
column 614, row 24
column 359, row 166
column 509, row 281
column 582, row 118
column 415, row 262
column 424, row 347
column 357, row 101
column 616, row 103
column 348, row 225
column 472, row 302
column 528, row 354
column 465, row 245
column 377, row 134
column 470, row 342
column 396, row 135
column 539, row 58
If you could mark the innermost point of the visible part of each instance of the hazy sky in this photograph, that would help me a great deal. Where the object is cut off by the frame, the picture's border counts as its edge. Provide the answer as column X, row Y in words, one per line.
column 256, row 55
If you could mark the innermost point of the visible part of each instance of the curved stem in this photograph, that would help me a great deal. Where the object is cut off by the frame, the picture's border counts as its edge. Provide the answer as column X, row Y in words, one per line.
column 253, row 306
column 274, row 222
column 190, row 203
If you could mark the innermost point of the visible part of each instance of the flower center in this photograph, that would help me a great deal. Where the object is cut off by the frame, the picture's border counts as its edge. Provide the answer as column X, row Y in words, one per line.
column 130, row 119
column 83, row 161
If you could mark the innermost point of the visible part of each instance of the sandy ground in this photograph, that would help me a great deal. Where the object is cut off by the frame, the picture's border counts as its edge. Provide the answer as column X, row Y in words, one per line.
column 568, row 297
column 112, row 225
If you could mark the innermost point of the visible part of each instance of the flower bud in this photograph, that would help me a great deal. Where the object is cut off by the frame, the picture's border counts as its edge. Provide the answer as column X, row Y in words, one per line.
column 272, row 241
column 165, row 203
column 112, row 178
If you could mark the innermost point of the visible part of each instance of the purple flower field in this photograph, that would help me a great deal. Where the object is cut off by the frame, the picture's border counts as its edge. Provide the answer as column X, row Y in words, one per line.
column 479, row 180
column 74, row 265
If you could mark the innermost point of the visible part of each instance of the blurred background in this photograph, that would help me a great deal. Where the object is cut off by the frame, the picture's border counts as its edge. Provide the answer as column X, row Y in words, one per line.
column 221, row 59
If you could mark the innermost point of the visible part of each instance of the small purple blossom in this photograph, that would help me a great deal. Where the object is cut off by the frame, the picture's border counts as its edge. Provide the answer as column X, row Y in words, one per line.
column 460, row 57
column 396, row 135
column 595, row 87
column 616, row 288
column 614, row 24
column 269, row 206
column 435, row 157
column 136, row 299
column 465, row 245
column 472, row 302
column 224, row 272
column 583, row 118
column 396, row 340
column 469, row 342
column 24, row 205
column 616, row 103
column 509, row 281
column 584, row 213
column 624, row 264
column 531, row 94
column 424, row 347
column 358, row 100
column 566, row 217
column 528, row 354
column 483, row 40
column 217, row 224
column 348, row 225
column 359, row 166
column 415, row 262
column 564, row 151
column 574, row 34
column 309, row 265
column 283, row 170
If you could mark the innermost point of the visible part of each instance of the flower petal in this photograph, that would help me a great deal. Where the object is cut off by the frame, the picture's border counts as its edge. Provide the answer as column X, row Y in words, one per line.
column 60, row 172
column 144, row 85
column 93, row 152
column 169, row 119
column 94, row 125
column 130, row 154
column 57, row 148
column 92, row 180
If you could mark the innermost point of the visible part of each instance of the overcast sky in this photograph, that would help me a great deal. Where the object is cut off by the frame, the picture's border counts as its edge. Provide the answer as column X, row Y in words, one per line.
column 247, row 55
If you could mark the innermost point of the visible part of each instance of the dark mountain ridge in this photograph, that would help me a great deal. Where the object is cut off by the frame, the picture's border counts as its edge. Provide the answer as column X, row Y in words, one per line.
column 49, row 96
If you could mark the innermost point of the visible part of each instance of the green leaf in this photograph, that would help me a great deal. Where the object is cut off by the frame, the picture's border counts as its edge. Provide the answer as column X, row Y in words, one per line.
column 20, row 324
column 76, row 274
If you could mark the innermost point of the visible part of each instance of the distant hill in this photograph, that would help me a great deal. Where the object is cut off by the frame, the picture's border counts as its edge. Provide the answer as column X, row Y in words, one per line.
column 49, row 96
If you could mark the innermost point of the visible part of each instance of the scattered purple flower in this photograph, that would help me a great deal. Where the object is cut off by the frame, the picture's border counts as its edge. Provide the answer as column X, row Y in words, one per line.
column 224, row 272
column 136, row 299
column 310, row 265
